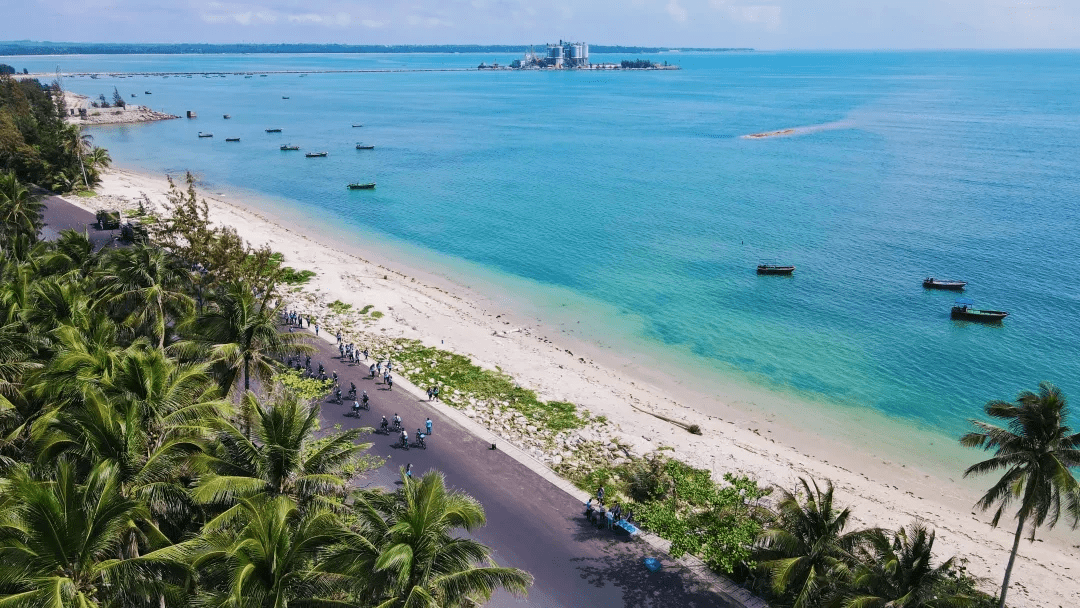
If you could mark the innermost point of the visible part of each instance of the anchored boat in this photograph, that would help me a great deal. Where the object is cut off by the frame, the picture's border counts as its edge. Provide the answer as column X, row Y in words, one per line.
column 201, row 134
column 316, row 154
column 232, row 139
column 367, row 186
column 356, row 125
column 932, row 283
column 964, row 310
column 287, row 148
column 768, row 268
column 363, row 147
column 273, row 130
column 226, row 117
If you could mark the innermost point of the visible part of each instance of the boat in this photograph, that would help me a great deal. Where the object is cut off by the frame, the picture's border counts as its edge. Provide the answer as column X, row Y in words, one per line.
column 226, row 116
column 355, row 126
column 774, row 269
column 932, row 283
column 232, row 139
column 367, row 186
column 964, row 310
column 284, row 97
column 273, row 130
column 287, row 147
column 247, row 76
column 363, row 147
column 201, row 134
column 316, row 154
column 147, row 93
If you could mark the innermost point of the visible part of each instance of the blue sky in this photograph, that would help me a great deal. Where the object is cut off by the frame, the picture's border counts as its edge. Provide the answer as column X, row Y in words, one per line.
column 763, row 24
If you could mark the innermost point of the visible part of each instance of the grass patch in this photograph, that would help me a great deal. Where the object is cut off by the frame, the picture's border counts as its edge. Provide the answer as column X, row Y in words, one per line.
column 367, row 308
column 340, row 307
column 455, row 372
column 376, row 315
column 85, row 193
column 292, row 276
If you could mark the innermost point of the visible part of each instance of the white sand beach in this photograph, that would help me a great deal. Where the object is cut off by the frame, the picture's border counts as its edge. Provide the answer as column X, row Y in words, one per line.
column 737, row 435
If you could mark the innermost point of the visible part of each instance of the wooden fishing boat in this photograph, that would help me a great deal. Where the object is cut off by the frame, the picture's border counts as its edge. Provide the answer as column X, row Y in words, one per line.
column 273, row 130
column 226, row 116
column 147, row 93
column 363, row 147
column 232, row 139
column 774, row 269
column 284, row 97
column 316, row 154
column 356, row 125
column 932, row 283
column 367, row 186
column 287, row 148
column 964, row 310
column 201, row 134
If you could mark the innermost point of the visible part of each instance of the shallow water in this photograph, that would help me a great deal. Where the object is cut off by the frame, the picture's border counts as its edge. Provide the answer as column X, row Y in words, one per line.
column 636, row 191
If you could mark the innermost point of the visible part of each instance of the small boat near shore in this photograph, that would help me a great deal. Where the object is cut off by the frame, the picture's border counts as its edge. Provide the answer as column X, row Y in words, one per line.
column 316, row 154
column 358, row 186
column 287, row 148
column 768, row 268
column 201, row 134
column 273, row 130
column 964, row 310
column 932, row 283
column 364, row 147
column 232, row 139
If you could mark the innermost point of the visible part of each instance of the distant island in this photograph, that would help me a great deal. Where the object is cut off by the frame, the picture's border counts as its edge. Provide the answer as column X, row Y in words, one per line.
column 30, row 47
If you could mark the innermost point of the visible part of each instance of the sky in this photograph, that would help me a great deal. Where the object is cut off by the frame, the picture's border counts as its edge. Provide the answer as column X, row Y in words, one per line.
column 761, row 24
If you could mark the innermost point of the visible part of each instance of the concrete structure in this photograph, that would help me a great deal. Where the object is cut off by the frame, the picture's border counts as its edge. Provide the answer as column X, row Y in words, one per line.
column 558, row 56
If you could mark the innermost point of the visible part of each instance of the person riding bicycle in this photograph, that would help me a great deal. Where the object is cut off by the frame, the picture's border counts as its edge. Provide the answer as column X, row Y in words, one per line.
column 364, row 398
column 404, row 438
column 419, row 438
column 352, row 387
column 397, row 420
column 384, row 425
column 356, row 408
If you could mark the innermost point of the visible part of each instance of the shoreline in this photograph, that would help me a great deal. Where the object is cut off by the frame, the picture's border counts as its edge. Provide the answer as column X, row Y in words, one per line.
column 746, row 429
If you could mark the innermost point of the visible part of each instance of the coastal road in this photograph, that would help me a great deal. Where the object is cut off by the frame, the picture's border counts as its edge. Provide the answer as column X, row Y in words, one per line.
column 531, row 524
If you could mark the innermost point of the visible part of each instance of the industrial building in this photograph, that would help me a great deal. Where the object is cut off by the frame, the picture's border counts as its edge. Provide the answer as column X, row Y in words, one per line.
column 565, row 55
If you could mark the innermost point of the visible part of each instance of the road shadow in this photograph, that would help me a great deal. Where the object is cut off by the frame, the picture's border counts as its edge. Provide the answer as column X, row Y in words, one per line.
column 671, row 587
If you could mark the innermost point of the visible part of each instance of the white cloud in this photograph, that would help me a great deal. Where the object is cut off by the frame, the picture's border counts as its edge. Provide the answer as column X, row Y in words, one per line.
column 373, row 24
column 768, row 15
column 677, row 12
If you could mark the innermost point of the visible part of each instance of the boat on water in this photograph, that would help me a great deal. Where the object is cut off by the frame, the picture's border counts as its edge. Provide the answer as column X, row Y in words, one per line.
column 316, row 154
column 964, row 310
column 932, row 283
column 201, row 134
column 147, row 93
column 768, row 268
column 284, row 97
column 226, row 116
column 287, row 147
column 367, row 186
column 355, row 126
column 273, row 130
column 247, row 76
column 364, row 147
column 232, row 139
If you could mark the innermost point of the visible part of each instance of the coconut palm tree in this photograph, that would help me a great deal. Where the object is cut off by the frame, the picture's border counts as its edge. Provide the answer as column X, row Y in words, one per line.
column 240, row 334
column 59, row 539
column 282, row 458
column 144, row 286
column 267, row 559
column 808, row 555
column 20, row 213
column 1038, row 452
column 416, row 558
column 897, row 571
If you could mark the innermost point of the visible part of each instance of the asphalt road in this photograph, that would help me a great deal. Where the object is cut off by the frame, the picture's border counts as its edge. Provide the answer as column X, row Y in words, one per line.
column 61, row 215
column 531, row 524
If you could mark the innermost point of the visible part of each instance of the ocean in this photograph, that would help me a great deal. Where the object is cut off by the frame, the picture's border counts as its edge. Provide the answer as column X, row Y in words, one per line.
column 636, row 194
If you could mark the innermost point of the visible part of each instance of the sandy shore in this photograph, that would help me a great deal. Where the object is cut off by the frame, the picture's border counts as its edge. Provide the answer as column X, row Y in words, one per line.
column 882, row 490
column 108, row 116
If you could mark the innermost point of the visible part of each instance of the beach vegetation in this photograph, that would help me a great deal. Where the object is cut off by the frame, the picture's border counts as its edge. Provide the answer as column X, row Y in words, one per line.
column 366, row 308
column 377, row 314
column 1038, row 454
column 339, row 307
column 135, row 470
column 304, row 387
column 426, row 365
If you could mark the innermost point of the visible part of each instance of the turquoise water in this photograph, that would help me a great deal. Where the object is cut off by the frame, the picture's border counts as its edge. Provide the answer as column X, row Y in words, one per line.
column 636, row 190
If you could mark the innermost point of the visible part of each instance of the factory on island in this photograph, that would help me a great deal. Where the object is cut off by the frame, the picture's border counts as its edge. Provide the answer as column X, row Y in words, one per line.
column 565, row 55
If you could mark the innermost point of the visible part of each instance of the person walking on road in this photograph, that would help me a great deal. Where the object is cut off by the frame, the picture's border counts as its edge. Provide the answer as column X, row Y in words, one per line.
column 429, row 393
column 436, row 392
column 316, row 328
column 389, row 382
column 428, row 425
column 408, row 470
column 600, row 494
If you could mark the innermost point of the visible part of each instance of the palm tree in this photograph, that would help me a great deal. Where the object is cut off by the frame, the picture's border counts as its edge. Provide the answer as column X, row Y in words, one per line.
column 241, row 335
column 897, row 572
column 78, row 143
column 1037, row 451
column 269, row 560
column 808, row 553
column 282, row 459
column 416, row 559
column 20, row 213
column 59, row 540
column 144, row 285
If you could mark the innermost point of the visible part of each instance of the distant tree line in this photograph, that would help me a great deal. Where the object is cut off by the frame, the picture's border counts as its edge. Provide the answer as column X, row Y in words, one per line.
column 74, row 48
column 637, row 64
column 6, row 69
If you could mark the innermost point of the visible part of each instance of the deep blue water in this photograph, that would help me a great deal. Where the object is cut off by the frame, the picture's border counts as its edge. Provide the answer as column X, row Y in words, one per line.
column 636, row 190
